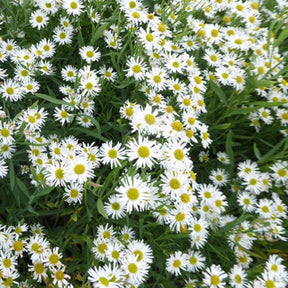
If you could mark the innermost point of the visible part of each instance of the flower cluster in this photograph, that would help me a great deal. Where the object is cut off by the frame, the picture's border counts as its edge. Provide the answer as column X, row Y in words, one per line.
column 25, row 248
column 150, row 110
column 127, row 260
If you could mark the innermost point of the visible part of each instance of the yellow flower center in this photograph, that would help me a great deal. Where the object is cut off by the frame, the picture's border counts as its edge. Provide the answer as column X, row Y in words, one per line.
column 150, row 119
column 179, row 154
column 175, row 183
column 39, row 268
column 180, row 217
column 132, row 268
column 133, row 194
column 79, row 169
column 5, row 132
column 215, row 280
column 143, row 151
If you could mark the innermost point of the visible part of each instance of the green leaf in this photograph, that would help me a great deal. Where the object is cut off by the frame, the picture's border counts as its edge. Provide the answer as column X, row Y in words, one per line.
column 97, row 33
column 12, row 174
column 256, row 151
column 232, row 224
column 81, row 42
column 53, row 100
column 100, row 208
column 89, row 132
column 228, row 147
column 283, row 35
column 218, row 91
column 22, row 187
column 272, row 151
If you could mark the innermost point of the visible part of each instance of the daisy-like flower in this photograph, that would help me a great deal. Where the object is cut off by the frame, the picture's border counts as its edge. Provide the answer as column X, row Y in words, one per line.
column 34, row 118
column 8, row 262
column 137, row 68
column 157, row 78
column 247, row 167
column 275, row 267
column 135, row 17
column 176, row 262
column 62, row 35
column 90, row 85
column 37, row 247
column 175, row 156
column 196, row 261
column 132, row 193
column 45, row 68
column 31, row 86
column 89, row 54
column 148, row 38
column 59, row 277
column 39, row 270
column 115, row 251
column 127, row 234
column 141, row 250
column 219, row 177
column 115, row 208
column 254, row 183
column 55, row 173
column 247, row 201
column 62, row 115
column 128, row 110
column 39, row 19
column 223, row 158
column 6, row 133
column 107, row 276
column 178, row 219
column 79, row 170
column 173, row 182
column 108, row 73
column 53, row 258
column 106, row 233
column 214, row 277
column 135, row 271
column 146, row 120
column 280, row 172
column 73, row 7
column 11, row 90
column 69, row 73
column 199, row 227
column 112, row 154
column 144, row 151
column 237, row 277
column 73, row 193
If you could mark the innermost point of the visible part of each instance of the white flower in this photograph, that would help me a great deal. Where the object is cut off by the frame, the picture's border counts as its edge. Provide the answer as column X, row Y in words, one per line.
column 73, row 7
column 144, row 151
column 79, row 170
column 214, row 277
column 176, row 262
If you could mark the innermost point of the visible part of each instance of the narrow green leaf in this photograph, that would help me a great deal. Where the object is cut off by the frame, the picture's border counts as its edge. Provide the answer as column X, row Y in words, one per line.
column 89, row 132
column 22, row 187
column 272, row 151
column 256, row 151
column 97, row 33
column 228, row 147
column 283, row 35
column 218, row 91
column 232, row 224
column 12, row 174
column 52, row 100
column 239, row 111
column 81, row 42
column 100, row 208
